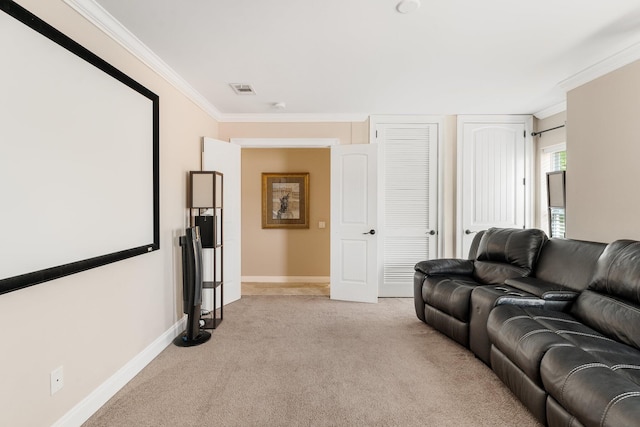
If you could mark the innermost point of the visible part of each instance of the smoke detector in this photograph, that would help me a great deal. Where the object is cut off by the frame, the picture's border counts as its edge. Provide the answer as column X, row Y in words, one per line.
column 408, row 6
column 242, row 88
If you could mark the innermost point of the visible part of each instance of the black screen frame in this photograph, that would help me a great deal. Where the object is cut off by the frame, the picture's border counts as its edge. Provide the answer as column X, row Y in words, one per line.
column 29, row 279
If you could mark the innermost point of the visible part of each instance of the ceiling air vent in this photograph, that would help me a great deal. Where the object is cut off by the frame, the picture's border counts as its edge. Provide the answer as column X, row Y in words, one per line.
column 242, row 89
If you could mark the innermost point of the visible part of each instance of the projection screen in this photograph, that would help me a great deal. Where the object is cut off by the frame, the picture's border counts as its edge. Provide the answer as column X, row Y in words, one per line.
column 79, row 149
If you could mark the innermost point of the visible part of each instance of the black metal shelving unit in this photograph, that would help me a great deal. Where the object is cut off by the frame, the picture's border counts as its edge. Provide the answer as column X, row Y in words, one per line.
column 212, row 244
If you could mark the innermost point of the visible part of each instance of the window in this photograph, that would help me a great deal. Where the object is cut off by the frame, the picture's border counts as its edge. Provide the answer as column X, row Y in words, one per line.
column 553, row 159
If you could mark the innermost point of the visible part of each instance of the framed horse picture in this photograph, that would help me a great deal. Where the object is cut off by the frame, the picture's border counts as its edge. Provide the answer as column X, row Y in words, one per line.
column 285, row 202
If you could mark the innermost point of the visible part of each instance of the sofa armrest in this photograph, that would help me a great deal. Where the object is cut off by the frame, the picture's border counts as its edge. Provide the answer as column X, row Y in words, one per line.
column 542, row 289
column 520, row 301
column 449, row 266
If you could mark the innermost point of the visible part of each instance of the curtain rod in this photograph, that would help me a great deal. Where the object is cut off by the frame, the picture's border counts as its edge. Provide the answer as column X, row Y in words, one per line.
column 546, row 130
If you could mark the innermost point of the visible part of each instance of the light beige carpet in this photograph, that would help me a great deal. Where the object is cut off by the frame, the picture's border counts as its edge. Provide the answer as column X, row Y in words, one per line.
column 311, row 361
column 260, row 288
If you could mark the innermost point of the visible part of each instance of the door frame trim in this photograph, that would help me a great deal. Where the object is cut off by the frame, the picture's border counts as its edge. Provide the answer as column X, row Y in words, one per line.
column 284, row 142
column 529, row 166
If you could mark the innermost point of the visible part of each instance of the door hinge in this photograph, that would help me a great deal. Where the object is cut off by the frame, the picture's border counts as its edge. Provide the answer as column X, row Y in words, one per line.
column 524, row 181
column 376, row 134
column 524, row 133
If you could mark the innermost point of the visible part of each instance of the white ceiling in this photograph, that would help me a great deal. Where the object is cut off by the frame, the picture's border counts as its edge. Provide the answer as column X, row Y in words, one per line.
column 361, row 57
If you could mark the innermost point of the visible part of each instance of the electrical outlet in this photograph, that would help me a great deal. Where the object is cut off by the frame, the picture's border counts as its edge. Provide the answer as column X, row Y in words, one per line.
column 57, row 380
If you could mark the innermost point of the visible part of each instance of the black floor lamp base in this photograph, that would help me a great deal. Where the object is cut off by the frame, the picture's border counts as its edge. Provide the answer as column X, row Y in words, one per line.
column 182, row 341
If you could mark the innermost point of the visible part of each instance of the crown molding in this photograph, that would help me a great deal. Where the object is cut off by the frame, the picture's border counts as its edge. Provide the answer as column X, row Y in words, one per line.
column 293, row 118
column 104, row 21
column 599, row 69
column 551, row 110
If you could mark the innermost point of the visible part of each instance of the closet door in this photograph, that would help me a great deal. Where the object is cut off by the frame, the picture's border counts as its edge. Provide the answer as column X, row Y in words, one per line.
column 494, row 175
column 408, row 201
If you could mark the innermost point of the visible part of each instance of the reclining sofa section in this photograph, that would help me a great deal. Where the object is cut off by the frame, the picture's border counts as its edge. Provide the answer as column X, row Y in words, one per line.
column 564, row 268
column 559, row 322
column 442, row 287
column 580, row 367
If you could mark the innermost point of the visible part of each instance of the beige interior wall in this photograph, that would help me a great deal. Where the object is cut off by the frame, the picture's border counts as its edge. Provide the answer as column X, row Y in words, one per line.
column 346, row 132
column 603, row 148
column 285, row 252
column 93, row 323
column 547, row 139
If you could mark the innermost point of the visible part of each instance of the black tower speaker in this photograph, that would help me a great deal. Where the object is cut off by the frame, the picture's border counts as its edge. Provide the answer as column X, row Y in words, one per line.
column 192, row 289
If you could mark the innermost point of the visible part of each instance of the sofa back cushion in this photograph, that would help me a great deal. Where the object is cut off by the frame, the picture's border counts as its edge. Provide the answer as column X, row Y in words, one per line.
column 618, row 271
column 611, row 316
column 505, row 253
column 511, row 245
column 473, row 250
column 611, row 303
column 570, row 263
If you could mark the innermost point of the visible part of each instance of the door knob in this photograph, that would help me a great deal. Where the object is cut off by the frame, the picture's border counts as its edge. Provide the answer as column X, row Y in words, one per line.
column 467, row 231
column 431, row 232
column 370, row 232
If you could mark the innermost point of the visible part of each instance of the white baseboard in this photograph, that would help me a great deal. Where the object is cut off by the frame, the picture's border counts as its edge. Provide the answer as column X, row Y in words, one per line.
column 94, row 401
column 285, row 279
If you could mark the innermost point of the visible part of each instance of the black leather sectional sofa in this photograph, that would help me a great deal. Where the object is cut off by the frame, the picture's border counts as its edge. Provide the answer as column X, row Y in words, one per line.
column 557, row 320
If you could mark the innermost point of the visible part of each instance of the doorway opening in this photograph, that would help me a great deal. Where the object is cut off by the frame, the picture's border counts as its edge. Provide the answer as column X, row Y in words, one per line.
column 285, row 261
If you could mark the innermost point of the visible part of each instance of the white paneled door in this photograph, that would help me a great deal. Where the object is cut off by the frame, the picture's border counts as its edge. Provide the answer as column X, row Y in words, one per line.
column 354, row 238
column 408, row 201
column 493, row 175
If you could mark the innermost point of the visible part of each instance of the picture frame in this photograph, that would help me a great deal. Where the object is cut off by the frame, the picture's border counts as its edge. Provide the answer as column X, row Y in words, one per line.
column 285, row 200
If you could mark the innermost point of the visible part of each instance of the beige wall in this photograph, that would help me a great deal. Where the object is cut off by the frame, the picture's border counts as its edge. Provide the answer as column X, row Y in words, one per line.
column 603, row 148
column 285, row 252
column 93, row 323
column 346, row 132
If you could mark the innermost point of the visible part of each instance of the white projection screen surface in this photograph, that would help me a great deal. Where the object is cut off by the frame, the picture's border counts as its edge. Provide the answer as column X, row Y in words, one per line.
column 79, row 145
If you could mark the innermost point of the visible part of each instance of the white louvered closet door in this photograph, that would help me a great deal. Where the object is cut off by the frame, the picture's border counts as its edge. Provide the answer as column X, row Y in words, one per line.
column 409, row 166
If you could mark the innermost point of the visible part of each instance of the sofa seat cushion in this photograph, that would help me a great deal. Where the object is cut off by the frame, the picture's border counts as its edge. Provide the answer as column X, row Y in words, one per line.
column 598, row 388
column 519, row 334
column 449, row 294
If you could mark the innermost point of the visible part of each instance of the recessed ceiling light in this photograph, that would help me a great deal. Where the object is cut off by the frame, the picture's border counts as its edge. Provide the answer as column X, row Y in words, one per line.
column 408, row 6
column 242, row 88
